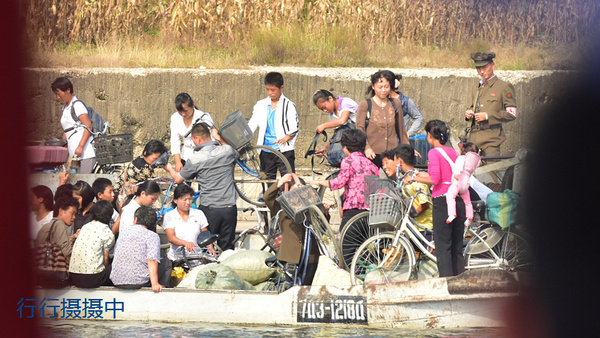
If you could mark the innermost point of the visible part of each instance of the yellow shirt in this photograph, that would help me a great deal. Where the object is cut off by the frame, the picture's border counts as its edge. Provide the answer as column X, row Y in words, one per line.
column 425, row 218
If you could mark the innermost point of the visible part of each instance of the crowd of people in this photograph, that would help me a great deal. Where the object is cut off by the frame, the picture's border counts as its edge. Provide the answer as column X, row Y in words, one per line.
column 107, row 232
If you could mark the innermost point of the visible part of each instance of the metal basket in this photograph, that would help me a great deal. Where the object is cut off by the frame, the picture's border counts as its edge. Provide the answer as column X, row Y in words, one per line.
column 374, row 185
column 113, row 148
column 296, row 202
column 385, row 211
column 235, row 130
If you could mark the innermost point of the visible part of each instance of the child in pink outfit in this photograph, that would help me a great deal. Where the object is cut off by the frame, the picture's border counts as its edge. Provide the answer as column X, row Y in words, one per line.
column 462, row 170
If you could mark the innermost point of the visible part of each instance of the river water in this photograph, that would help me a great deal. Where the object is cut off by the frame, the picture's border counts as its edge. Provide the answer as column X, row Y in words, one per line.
column 85, row 328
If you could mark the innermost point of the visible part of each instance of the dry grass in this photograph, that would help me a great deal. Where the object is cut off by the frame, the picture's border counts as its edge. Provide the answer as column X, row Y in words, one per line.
column 232, row 33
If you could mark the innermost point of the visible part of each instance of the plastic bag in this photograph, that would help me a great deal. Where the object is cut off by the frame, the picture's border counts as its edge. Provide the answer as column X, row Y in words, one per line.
column 250, row 265
column 503, row 208
column 220, row 277
column 329, row 274
column 189, row 280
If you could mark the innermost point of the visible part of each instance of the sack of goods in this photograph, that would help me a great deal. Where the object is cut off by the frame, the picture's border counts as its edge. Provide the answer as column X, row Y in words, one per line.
column 503, row 208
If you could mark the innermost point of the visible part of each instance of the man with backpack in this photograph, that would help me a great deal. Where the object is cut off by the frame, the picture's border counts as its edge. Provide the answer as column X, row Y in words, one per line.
column 74, row 112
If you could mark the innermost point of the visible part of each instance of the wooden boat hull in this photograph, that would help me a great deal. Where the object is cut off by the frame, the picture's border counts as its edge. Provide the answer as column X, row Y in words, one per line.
column 427, row 303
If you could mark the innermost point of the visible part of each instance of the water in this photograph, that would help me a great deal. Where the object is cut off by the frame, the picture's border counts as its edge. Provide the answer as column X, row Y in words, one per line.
column 85, row 328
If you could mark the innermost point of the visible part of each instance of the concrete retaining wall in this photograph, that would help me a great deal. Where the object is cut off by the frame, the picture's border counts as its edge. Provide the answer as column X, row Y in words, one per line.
column 140, row 101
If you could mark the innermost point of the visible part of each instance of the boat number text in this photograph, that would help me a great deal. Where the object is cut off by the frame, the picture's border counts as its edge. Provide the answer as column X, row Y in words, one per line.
column 340, row 309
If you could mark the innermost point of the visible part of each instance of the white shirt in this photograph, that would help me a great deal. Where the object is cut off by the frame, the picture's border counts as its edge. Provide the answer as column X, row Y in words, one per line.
column 74, row 136
column 128, row 213
column 36, row 225
column 286, row 121
column 187, row 231
column 178, row 131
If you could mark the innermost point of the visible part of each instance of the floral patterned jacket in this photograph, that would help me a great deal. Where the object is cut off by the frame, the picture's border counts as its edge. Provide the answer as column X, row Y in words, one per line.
column 352, row 174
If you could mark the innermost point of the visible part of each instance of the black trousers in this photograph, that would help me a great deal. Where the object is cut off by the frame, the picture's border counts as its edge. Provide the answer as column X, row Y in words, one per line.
column 448, row 237
column 90, row 281
column 222, row 221
column 269, row 163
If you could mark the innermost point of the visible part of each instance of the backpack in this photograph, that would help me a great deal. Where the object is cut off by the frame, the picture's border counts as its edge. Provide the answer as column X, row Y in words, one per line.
column 370, row 106
column 404, row 101
column 95, row 118
column 335, row 153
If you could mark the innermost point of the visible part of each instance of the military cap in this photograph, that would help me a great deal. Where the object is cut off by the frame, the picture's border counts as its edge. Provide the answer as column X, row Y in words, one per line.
column 482, row 58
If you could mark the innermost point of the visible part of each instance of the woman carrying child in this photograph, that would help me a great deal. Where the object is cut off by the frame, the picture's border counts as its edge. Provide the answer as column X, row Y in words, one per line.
column 462, row 169
column 448, row 236
column 341, row 110
column 355, row 166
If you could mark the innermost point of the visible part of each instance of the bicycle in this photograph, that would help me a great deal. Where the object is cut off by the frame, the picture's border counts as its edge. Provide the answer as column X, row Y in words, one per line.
column 112, row 151
column 333, row 198
column 393, row 256
column 316, row 227
column 357, row 229
column 250, row 181
column 272, row 237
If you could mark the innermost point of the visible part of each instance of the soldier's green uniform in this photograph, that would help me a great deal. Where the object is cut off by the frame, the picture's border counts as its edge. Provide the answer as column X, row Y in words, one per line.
column 497, row 99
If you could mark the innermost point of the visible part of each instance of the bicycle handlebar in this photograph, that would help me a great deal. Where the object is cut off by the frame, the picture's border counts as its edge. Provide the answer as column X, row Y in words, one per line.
column 81, row 125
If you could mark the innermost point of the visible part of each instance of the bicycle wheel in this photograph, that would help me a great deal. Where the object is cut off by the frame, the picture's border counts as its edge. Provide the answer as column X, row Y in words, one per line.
column 325, row 234
column 250, row 181
column 333, row 198
column 379, row 261
column 511, row 252
column 355, row 233
column 516, row 252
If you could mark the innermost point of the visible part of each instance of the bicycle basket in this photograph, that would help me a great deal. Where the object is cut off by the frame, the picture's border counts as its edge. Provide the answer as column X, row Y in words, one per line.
column 296, row 202
column 113, row 148
column 385, row 211
column 235, row 130
column 374, row 184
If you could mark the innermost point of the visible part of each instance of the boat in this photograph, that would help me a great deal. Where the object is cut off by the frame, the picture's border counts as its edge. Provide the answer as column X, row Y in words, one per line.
column 473, row 299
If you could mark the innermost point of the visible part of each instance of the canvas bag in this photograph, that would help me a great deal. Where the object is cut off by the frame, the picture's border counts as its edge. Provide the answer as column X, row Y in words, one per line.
column 50, row 263
column 503, row 209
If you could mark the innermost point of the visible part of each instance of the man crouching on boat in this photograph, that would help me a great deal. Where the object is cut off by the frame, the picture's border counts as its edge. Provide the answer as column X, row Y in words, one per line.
column 137, row 261
column 292, row 240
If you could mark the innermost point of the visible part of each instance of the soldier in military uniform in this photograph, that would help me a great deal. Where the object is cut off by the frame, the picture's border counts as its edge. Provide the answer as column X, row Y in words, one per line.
column 493, row 102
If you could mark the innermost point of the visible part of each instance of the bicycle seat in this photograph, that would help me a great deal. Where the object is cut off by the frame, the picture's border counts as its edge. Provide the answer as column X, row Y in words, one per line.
column 205, row 238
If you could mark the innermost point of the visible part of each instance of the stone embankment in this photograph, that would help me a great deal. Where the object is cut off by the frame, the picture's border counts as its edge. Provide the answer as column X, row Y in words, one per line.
column 140, row 101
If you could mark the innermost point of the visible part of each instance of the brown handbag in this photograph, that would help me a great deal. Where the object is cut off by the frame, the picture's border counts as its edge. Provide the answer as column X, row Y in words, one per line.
column 50, row 263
